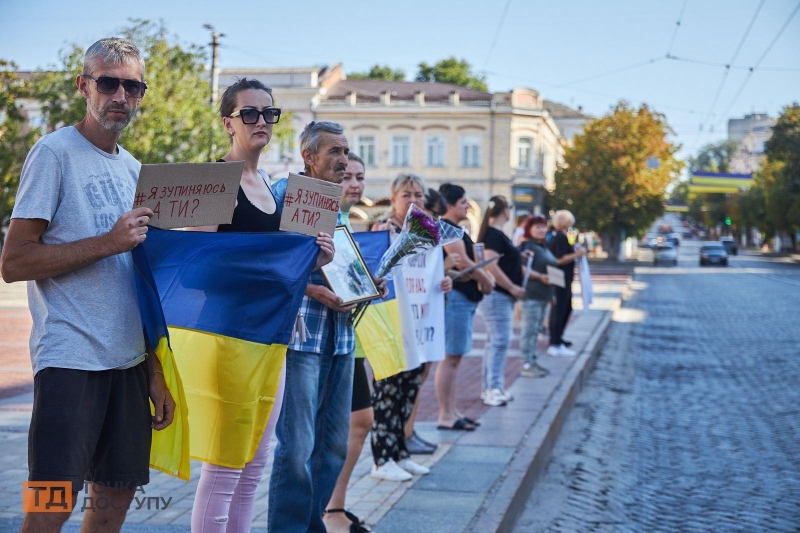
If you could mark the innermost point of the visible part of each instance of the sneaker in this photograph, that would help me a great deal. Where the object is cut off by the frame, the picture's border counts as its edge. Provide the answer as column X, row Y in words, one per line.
column 413, row 468
column 533, row 370
column 490, row 400
column 502, row 395
column 390, row 471
column 560, row 351
column 415, row 445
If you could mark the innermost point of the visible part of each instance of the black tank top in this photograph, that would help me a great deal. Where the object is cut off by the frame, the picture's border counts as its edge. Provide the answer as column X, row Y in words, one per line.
column 248, row 218
column 467, row 288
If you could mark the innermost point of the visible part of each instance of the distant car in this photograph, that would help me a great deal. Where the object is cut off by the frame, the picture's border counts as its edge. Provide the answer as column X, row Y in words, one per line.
column 713, row 253
column 674, row 238
column 665, row 252
column 648, row 240
column 730, row 245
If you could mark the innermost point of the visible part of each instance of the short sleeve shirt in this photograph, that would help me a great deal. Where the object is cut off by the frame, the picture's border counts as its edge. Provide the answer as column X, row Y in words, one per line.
column 560, row 247
column 87, row 319
column 511, row 262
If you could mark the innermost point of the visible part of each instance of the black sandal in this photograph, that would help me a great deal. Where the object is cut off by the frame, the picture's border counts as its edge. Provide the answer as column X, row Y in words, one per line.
column 356, row 526
column 469, row 420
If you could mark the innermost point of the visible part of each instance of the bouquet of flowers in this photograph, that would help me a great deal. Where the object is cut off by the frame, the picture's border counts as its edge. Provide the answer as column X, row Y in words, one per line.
column 420, row 233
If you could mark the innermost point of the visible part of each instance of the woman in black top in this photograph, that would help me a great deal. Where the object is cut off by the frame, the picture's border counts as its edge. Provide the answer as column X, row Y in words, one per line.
column 247, row 112
column 565, row 255
column 498, row 307
column 460, row 305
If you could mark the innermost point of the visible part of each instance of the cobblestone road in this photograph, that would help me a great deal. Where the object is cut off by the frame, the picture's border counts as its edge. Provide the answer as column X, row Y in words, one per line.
column 691, row 419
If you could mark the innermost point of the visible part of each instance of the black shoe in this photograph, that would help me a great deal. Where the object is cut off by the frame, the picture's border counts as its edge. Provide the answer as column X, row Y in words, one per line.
column 415, row 446
column 430, row 444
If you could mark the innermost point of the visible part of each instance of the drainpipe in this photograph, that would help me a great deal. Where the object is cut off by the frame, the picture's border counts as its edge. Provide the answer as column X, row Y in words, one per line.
column 491, row 147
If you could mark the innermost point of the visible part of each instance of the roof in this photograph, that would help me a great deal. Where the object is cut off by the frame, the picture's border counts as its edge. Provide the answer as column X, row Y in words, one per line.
column 557, row 110
column 277, row 70
column 371, row 90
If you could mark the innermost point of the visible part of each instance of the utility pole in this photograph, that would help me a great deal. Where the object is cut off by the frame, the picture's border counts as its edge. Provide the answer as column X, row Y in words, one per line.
column 215, row 36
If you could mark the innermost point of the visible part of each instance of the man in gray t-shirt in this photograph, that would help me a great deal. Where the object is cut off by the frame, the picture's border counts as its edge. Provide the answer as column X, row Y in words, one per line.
column 70, row 237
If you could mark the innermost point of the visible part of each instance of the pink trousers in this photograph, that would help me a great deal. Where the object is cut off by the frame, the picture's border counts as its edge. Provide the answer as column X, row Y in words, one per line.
column 225, row 498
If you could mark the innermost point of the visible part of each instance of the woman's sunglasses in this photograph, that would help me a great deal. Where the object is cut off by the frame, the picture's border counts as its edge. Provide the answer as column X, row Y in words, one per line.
column 250, row 115
column 109, row 85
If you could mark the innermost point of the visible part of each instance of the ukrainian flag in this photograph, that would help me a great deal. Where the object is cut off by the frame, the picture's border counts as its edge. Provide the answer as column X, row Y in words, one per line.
column 379, row 332
column 230, row 300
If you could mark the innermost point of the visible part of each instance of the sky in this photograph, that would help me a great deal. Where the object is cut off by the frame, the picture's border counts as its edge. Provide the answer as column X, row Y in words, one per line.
column 577, row 52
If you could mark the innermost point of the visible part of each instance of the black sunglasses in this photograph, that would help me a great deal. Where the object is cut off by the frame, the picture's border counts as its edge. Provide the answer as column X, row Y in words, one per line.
column 109, row 85
column 250, row 115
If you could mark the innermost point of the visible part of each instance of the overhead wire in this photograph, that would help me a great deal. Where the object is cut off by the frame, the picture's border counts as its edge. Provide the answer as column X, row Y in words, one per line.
column 677, row 27
column 497, row 34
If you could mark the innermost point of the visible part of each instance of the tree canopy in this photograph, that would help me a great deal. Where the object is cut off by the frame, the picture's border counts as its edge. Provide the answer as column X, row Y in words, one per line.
column 379, row 72
column 606, row 180
column 452, row 70
column 714, row 157
column 16, row 137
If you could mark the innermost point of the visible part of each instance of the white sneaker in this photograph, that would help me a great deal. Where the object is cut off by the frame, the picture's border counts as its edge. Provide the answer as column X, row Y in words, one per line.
column 502, row 395
column 413, row 468
column 490, row 399
column 560, row 351
column 390, row 471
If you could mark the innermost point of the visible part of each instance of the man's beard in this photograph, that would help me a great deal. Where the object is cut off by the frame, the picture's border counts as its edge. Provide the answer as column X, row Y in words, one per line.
column 114, row 125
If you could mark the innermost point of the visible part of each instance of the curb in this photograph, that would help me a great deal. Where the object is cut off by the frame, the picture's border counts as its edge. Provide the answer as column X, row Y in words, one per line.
column 506, row 501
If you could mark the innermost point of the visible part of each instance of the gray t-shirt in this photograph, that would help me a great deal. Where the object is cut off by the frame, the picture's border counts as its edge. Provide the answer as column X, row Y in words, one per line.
column 87, row 319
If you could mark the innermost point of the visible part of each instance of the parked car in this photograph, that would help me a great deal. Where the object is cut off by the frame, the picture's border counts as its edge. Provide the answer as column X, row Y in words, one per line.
column 665, row 252
column 730, row 245
column 713, row 253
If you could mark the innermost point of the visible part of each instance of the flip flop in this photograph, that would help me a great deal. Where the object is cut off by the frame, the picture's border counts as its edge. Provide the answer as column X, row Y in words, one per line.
column 459, row 425
column 356, row 524
column 469, row 420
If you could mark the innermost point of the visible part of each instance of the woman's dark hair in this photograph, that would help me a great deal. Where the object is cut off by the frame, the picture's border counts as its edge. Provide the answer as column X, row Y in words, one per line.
column 451, row 193
column 497, row 204
column 227, row 104
column 534, row 220
column 435, row 203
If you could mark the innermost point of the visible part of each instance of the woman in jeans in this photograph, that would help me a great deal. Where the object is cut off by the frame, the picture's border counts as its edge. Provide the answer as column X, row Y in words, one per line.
column 498, row 307
column 538, row 293
column 460, row 306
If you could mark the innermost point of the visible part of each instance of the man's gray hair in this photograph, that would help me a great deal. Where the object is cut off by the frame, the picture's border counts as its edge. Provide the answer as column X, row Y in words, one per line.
column 311, row 138
column 112, row 50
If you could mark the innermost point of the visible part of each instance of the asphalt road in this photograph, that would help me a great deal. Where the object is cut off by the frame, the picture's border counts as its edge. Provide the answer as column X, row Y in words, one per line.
column 691, row 419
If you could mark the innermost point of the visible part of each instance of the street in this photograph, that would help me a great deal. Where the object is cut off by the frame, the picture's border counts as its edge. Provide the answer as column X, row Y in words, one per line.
column 690, row 419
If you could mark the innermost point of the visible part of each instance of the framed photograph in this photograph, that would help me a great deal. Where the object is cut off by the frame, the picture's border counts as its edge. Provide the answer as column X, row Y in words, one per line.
column 347, row 275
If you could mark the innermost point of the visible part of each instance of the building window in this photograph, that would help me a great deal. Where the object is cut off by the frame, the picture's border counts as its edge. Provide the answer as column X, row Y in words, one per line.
column 471, row 151
column 401, row 151
column 434, row 151
column 524, row 152
column 366, row 148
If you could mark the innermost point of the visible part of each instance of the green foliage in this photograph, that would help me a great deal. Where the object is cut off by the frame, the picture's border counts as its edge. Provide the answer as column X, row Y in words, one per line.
column 378, row 72
column 714, row 157
column 606, row 181
column 16, row 138
column 451, row 70
column 773, row 203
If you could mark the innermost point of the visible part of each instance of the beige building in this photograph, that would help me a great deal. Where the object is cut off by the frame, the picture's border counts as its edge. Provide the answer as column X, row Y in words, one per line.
column 502, row 143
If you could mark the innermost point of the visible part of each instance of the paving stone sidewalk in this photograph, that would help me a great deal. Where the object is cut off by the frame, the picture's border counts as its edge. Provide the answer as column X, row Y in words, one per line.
column 474, row 477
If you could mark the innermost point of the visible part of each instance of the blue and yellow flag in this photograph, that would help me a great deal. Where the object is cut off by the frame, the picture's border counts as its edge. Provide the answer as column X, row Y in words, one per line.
column 379, row 332
column 230, row 300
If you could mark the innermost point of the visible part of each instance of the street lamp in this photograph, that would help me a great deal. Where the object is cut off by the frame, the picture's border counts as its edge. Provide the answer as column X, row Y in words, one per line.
column 215, row 36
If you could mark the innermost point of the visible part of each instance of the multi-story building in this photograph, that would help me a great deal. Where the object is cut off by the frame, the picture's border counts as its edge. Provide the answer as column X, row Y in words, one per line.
column 491, row 143
column 751, row 133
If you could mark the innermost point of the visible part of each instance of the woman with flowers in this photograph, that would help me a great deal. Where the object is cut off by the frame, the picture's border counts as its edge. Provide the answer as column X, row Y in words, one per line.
column 393, row 398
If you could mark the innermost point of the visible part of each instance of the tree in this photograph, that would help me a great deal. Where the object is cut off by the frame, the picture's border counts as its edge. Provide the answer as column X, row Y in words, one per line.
column 780, row 176
column 714, row 157
column 378, row 72
column 606, row 181
column 453, row 71
column 16, row 138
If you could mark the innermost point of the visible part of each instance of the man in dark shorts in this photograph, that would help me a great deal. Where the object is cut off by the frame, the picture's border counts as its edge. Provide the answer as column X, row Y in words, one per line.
column 70, row 237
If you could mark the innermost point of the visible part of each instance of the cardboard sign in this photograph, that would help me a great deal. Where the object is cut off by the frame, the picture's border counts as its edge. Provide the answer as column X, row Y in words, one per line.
column 183, row 195
column 556, row 277
column 420, row 304
column 310, row 205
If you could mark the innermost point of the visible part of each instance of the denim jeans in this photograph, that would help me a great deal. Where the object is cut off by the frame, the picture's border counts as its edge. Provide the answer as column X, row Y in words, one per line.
column 312, row 434
column 498, row 312
column 532, row 317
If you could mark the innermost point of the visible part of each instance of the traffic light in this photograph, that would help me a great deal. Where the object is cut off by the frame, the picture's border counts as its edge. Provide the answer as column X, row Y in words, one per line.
column 727, row 221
